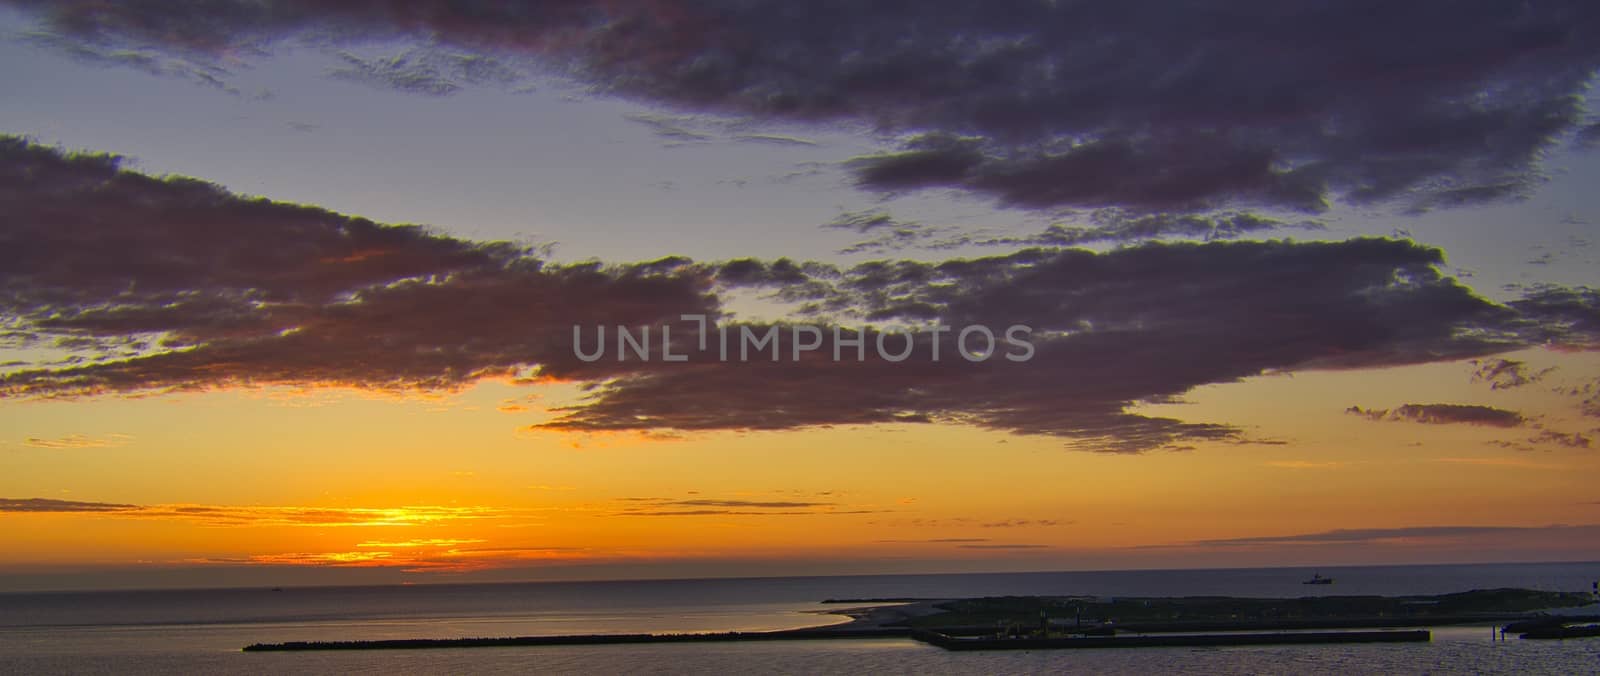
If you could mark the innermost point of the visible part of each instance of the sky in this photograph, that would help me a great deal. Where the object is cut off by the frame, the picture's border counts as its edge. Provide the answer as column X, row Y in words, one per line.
column 304, row 292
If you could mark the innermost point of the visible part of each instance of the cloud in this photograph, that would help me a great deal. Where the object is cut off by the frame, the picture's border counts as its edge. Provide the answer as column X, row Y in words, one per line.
column 1293, row 104
column 1375, row 535
column 412, row 556
column 1565, row 439
column 1182, row 171
column 411, row 544
column 429, row 72
column 1505, row 374
column 890, row 234
column 49, row 506
column 148, row 60
column 775, row 139
column 173, row 283
column 414, row 515
column 1110, row 330
column 1589, row 136
column 78, row 441
column 1117, row 225
column 645, row 506
column 676, row 130
column 1546, row 440
column 735, row 512
column 1103, row 225
column 1003, row 546
column 1500, row 462
column 356, row 559
column 156, row 285
column 1444, row 414
column 1587, row 395
column 1023, row 523
column 745, row 503
column 700, row 502
column 1304, row 464
column 229, row 515
column 935, row 541
column 1561, row 315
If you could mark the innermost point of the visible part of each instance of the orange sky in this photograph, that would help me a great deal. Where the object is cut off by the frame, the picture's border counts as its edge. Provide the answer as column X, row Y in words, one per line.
column 453, row 486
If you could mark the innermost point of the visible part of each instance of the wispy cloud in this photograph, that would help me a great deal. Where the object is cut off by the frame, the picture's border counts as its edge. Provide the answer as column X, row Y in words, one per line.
column 681, row 130
column 1023, row 523
column 1304, row 464
column 1505, row 374
column 78, row 441
column 1502, row 462
column 412, row 544
column 934, row 541
column 665, row 507
column 439, row 556
column 427, row 71
column 746, row 503
column 1396, row 535
column 228, row 515
column 1546, row 439
column 47, row 505
column 735, row 512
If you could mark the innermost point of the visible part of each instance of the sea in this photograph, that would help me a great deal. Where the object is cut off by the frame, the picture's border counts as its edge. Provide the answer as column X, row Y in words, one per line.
column 202, row 631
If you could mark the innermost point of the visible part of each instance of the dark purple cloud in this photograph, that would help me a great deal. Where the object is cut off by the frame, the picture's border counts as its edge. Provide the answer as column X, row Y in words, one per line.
column 1588, row 396
column 1562, row 315
column 209, row 288
column 1116, row 225
column 1110, row 329
column 1146, row 105
column 1181, row 171
column 1443, row 414
column 1563, row 439
column 1505, row 374
column 155, row 285
column 887, row 234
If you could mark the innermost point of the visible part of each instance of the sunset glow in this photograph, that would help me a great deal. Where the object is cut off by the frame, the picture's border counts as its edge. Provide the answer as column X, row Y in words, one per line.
column 294, row 296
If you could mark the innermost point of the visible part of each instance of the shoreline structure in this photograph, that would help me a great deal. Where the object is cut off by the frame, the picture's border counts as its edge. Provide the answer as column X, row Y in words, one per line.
column 1039, row 622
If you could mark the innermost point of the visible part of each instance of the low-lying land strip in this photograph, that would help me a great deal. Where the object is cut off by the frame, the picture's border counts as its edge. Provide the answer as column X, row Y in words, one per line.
column 1084, row 621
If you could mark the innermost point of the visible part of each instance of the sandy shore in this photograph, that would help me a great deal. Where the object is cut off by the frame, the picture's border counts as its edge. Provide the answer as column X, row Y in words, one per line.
column 879, row 616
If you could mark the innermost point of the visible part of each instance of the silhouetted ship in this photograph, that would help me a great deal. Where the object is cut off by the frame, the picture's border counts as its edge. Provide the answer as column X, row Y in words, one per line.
column 1317, row 578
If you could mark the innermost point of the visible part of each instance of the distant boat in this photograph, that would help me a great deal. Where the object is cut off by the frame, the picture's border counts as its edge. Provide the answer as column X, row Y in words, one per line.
column 1317, row 578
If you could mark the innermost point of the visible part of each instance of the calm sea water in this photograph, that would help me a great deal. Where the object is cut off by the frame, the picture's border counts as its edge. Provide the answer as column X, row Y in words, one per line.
column 201, row 631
